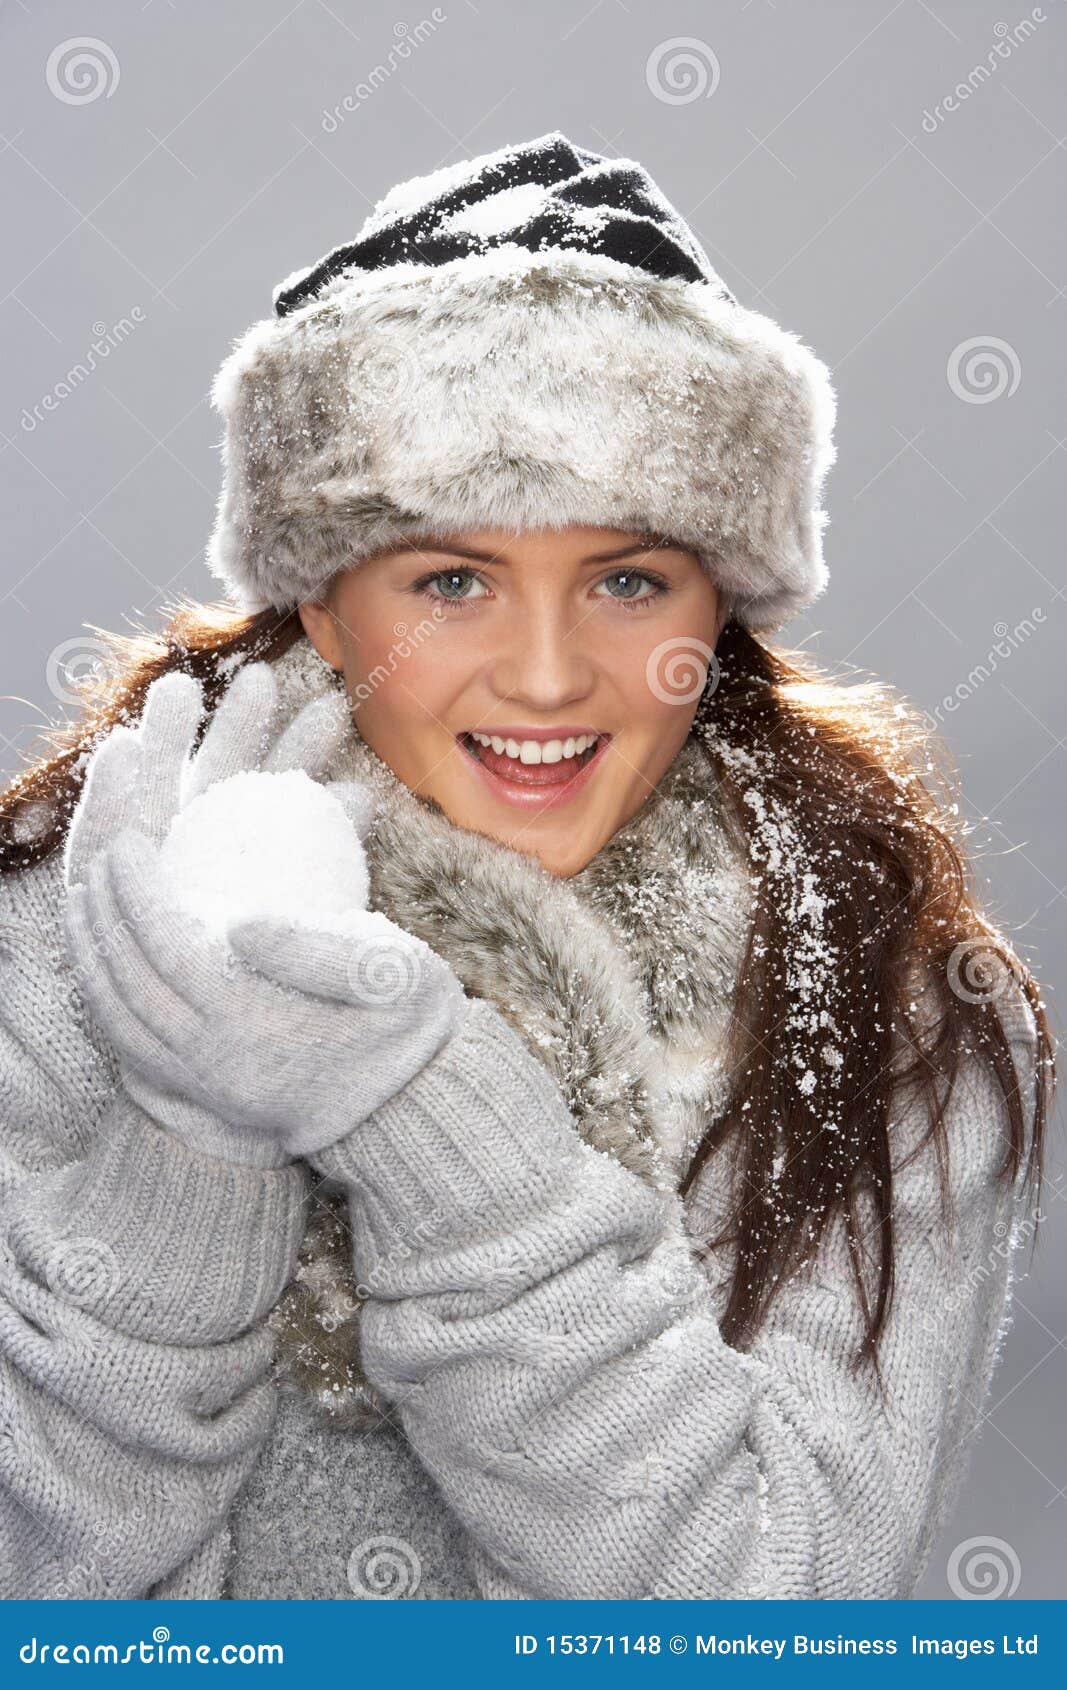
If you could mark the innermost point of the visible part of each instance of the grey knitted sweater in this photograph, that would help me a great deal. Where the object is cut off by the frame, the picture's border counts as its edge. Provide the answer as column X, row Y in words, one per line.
column 550, row 1409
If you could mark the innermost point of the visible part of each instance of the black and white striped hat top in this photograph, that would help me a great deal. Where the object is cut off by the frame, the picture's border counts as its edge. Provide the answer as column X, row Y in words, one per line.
column 542, row 194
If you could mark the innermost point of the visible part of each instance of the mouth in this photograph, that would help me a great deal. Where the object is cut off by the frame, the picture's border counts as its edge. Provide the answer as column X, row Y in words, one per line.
column 535, row 771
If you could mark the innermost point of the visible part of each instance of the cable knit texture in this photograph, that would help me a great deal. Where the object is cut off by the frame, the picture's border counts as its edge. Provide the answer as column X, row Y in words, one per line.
column 136, row 1281
column 557, row 1363
column 552, row 1409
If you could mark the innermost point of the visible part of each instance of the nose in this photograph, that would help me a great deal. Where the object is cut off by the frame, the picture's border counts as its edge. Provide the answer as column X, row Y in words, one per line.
column 543, row 658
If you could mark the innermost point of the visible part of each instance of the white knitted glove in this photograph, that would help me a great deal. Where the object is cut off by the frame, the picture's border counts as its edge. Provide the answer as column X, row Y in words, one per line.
column 341, row 1017
column 143, row 777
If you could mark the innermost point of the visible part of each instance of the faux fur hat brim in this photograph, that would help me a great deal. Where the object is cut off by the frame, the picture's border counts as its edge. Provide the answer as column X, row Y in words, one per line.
column 522, row 390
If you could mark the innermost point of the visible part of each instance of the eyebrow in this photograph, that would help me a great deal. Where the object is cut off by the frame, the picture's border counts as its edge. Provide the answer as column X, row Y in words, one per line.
column 655, row 542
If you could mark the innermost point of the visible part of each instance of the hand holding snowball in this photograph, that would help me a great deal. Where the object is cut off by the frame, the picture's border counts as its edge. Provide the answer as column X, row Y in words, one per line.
column 344, row 1013
column 259, row 1010
column 143, row 776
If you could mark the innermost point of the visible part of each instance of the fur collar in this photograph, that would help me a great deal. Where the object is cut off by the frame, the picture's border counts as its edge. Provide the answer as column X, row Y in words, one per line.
column 620, row 979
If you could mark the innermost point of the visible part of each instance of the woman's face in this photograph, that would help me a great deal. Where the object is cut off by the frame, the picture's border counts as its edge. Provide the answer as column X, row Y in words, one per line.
column 536, row 685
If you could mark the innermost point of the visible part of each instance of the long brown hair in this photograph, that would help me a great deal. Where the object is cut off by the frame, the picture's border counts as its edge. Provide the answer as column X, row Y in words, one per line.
column 843, row 794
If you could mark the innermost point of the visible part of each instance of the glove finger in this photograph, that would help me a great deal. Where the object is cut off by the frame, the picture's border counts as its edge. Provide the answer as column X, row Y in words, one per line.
column 136, row 1044
column 372, row 963
column 120, row 953
column 239, row 732
column 356, row 800
column 107, row 802
column 169, row 721
column 184, row 955
column 314, row 736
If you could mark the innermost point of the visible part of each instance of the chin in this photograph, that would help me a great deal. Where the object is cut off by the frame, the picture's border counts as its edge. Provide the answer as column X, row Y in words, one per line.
column 558, row 846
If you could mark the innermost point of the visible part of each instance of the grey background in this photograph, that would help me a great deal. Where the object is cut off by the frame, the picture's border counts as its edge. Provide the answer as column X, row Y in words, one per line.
column 157, row 214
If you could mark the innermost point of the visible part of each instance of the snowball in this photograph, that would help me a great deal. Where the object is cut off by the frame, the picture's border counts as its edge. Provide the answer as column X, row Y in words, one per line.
column 266, row 845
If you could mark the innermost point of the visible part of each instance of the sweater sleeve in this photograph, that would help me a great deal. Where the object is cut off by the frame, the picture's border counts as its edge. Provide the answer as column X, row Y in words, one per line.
column 135, row 1279
column 551, row 1343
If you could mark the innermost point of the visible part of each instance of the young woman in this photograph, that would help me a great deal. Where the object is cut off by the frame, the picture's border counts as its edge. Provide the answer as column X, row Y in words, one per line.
column 507, row 1087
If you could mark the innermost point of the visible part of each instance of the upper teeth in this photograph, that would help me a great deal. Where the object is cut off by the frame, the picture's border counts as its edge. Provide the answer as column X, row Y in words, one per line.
column 537, row 750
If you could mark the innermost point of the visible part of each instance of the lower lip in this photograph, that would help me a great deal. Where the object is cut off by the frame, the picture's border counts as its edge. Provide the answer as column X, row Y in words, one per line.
column 538, row 793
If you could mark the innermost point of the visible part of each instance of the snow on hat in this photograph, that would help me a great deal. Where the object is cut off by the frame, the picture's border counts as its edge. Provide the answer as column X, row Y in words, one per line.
column 528, row 339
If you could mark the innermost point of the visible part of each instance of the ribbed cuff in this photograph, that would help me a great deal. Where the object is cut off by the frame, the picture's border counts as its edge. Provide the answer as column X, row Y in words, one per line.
column 482, row 1136
column 157, row 1240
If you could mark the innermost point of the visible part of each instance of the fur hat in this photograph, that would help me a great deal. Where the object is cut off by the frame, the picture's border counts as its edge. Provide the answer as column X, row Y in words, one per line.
column 529, row 339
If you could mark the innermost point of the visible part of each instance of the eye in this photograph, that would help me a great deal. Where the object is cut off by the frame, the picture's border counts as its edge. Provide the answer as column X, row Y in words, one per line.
column 634, row 587
column 451, row 586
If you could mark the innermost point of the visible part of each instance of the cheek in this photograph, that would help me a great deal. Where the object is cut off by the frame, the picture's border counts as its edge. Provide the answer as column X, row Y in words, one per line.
column 654, row 734
column 398, row 682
